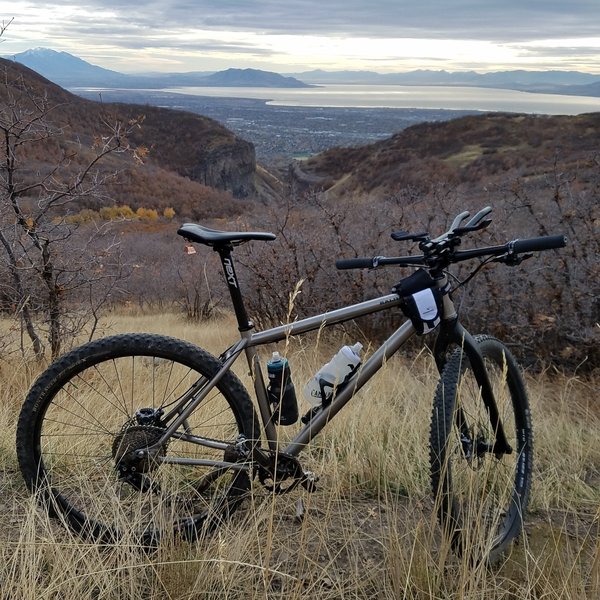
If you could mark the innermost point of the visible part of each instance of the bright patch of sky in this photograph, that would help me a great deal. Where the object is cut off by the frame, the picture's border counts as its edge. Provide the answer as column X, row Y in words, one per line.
column 377, row 35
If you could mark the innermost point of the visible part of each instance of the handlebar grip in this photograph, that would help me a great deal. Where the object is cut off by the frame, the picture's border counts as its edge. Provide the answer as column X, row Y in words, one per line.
column 539, row 243
column 355, row 263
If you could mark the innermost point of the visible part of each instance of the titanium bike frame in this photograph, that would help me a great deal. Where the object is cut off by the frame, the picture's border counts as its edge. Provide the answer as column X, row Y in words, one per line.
column 450, row 333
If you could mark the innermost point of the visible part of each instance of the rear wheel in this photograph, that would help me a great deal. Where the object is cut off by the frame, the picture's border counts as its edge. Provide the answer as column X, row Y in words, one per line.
column 481, row 496
column 86, row 424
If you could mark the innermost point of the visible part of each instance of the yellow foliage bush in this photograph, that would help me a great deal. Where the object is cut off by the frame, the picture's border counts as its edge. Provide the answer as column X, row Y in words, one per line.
column 113, row 213
column 110, row 213
column 87, row 215
column 125, row 212
column 147, row 214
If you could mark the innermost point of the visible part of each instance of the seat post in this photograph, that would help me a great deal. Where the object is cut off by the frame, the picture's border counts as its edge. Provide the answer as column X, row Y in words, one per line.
column 224, row 250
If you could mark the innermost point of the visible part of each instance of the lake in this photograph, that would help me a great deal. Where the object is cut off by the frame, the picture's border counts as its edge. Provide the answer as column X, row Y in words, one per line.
column 400, row 96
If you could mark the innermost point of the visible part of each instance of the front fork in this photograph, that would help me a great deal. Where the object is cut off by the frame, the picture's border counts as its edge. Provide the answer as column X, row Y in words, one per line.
column 453, row 333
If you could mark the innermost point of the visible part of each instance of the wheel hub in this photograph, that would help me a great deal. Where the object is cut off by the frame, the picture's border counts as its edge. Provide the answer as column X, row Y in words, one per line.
column 474, row 448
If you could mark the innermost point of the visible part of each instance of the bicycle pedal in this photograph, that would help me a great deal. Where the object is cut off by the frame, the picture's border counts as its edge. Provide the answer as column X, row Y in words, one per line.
column 309, row 481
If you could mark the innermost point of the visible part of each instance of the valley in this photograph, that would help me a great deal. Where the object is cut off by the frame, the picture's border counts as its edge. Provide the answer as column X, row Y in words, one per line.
column 283, row 133
column 225, row 162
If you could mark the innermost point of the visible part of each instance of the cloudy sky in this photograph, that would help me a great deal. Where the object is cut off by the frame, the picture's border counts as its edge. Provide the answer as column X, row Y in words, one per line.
column 297, row 35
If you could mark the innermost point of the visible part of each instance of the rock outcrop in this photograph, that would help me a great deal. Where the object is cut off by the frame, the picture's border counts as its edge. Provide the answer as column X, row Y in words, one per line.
column 230, row 166
column 197, row 147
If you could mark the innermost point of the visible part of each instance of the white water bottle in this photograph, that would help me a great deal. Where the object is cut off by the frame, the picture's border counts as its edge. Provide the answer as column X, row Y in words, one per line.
column 344, row 363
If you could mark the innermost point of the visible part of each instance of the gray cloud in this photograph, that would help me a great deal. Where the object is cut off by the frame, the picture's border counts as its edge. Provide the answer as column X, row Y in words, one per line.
column 499, row 21
column 189, row 34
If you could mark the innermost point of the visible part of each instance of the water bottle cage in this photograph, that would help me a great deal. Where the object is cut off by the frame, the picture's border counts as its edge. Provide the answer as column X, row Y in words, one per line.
column 282, row 397
column 323, row 383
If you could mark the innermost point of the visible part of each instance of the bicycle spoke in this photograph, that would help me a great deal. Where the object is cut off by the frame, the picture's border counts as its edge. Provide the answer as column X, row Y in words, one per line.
column 94, row 421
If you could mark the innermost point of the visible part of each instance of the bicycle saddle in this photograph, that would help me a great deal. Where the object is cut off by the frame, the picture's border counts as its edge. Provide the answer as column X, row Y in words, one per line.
column 213, row 237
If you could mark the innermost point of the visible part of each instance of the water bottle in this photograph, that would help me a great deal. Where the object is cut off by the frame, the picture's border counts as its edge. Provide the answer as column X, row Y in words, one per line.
column 334, row 373
column 282, row 394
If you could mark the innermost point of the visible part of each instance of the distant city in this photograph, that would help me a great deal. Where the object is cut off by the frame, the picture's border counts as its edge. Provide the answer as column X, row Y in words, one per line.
column 282, row 133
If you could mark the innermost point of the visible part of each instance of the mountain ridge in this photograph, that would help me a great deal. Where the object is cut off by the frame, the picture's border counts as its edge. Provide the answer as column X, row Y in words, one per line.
column 71, row 71
column 554, row 82
column 68, row 70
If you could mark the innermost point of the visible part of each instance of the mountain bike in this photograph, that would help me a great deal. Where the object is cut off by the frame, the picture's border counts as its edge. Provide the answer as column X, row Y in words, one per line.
column 143, row 435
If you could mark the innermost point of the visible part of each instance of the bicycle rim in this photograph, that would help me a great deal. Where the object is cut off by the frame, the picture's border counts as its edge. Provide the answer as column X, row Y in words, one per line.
column 89, row 432
column 482, row 496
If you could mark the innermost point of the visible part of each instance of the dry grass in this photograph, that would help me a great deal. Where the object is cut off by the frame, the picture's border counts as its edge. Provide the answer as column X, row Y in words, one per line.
column 368, row 532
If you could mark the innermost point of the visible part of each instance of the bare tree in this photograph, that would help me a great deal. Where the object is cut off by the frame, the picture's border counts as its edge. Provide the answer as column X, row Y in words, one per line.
column 49, row 262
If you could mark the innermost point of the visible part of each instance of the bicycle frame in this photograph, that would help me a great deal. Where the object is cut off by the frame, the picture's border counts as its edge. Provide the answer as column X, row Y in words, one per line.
column 450, row 332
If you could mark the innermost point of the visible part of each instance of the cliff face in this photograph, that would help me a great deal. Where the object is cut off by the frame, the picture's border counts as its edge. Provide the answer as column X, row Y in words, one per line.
column 230, row 166
column 196, row 147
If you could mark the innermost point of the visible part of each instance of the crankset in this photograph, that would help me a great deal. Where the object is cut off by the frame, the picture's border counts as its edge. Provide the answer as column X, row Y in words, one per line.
column 277, row 467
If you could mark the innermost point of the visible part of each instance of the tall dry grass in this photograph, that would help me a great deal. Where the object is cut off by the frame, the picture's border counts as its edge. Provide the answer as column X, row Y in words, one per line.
column 368, row 532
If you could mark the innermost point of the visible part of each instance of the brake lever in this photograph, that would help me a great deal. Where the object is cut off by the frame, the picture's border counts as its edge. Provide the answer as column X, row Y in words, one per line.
column 512, row 260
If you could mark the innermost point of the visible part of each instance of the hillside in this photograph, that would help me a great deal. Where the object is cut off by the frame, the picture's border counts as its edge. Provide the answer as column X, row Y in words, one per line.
column 473, row 150
column 540, row 174
column 186, row 152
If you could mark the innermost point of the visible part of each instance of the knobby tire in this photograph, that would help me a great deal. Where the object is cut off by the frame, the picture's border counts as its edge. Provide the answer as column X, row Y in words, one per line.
column 480, row 497
column 79, row 421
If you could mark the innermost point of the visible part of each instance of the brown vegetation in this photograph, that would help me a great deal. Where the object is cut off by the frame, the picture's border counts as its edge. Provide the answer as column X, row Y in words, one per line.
column 183, row 148
column 156, row 187
column 540, row 174
column 369, row 530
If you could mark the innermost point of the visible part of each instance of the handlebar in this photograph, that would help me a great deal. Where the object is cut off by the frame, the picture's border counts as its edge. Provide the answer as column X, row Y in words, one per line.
column 512, row 248
column 378, row 261
column 539, row 243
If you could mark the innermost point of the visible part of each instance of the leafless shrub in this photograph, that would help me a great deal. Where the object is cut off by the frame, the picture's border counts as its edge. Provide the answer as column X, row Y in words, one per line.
column 49, row 268
column 547, row 309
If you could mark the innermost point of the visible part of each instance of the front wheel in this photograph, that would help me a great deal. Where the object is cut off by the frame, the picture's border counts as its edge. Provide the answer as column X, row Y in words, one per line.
column 93, row 413
column 481, row 496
